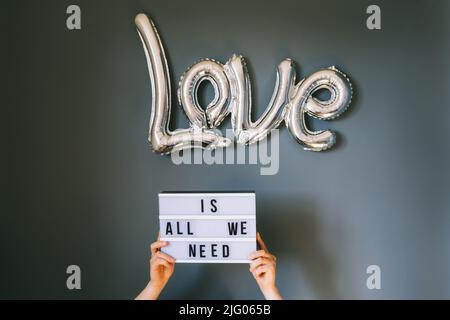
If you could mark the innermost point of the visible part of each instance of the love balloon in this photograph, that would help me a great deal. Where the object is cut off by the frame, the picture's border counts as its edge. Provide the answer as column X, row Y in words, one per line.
column 232, row 94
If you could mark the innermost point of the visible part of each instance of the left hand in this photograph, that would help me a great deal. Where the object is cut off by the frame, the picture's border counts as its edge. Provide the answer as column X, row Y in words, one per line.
column 161, row 269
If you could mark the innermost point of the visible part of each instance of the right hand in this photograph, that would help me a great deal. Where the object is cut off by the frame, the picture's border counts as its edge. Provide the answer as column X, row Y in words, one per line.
column 263, row 268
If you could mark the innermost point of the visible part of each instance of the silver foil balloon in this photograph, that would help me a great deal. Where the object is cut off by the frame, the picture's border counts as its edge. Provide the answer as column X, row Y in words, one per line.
column 232, row 94
column 217, row 110
column 245, row 130
column 302, row 101
column 161, row 138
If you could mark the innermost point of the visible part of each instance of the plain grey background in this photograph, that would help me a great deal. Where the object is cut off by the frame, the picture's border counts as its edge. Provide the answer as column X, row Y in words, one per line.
column 80, row 181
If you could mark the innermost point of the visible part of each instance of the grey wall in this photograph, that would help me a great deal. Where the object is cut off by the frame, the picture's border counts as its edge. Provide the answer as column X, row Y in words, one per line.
column 81, row 182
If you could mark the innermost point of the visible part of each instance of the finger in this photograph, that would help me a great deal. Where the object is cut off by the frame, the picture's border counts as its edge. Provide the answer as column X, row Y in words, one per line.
column 162, row 262
column 261, row 243
column 260, row 270
column 258, row 262
column 255, row 263
column 155, row 246
column 257, row 254
column 260, row 253
column 165, row 256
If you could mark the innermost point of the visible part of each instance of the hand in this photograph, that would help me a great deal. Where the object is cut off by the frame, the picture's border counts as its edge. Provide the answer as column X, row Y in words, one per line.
column 161, row 269
column 263, row 269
